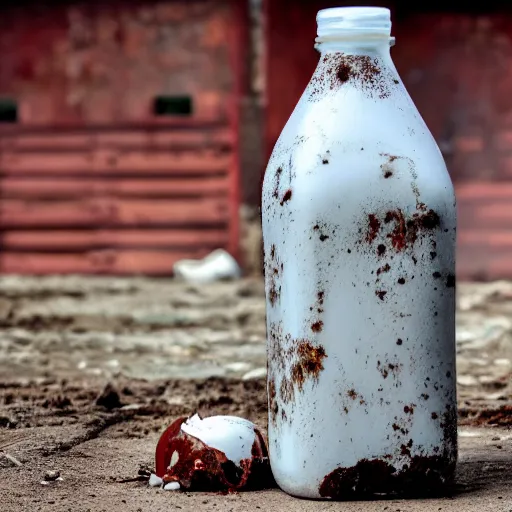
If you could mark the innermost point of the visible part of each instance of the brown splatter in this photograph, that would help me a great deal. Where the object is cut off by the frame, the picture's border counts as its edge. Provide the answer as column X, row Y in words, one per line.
column 277, row 182
column 409, row 409
column 381, row 249
column 344, row 72
column 406, row 231
column 287, row 196
column 386, row 167
column 352, row 394
column 381, row 294
column 373, row 228
column 309, row 364
column 362, row 71
column 450, row 281
column 273, row 407
column 406, row 448
column 317, row 326
column 286, row 391
column 422, row 476
column 273, row 273
column 385, row 268
column 401, row 281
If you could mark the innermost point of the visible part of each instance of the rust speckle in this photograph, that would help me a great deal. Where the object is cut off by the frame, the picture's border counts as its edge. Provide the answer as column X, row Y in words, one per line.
column 409, row 409
column 287, row 196
column 373, row 228
column 344, row 72
column 277, row 182
column 388, row 174
column 361, row 71
column 423, row 476
column 450, row 281
column 399, row 341
column 272, row 400
column 352, row 394
column 395, row 427
column 273, row 273
column 381, row 294
column 405, row 231
column 385, row 268
column 434, row 416
column 317, row 326
column 309, row 364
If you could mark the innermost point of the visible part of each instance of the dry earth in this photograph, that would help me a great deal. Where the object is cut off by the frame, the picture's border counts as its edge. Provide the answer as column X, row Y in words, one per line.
column 169, row 349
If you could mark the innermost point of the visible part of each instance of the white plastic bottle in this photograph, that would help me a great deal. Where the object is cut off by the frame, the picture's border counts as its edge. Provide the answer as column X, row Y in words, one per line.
column 359, row 229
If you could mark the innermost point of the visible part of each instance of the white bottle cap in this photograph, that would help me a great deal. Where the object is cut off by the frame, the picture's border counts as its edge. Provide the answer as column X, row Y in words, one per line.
column 354, row 21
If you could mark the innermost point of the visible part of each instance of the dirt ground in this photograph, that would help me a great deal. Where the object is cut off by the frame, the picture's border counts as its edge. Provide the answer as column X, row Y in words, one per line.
column 92, row 370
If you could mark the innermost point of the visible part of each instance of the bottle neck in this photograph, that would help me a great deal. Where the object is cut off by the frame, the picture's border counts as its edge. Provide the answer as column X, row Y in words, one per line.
column 378, row 46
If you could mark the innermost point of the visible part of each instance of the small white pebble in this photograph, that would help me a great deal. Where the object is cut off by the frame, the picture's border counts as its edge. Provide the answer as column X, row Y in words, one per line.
column 82, row 365
column 502, row 362
column 155, row 481
column 172, row 486
column 468, row 433
column 257, row 373
column 467, row 380
column 44, row 482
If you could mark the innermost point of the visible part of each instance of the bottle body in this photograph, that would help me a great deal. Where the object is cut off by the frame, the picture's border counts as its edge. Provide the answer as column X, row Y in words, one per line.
column 359, row 223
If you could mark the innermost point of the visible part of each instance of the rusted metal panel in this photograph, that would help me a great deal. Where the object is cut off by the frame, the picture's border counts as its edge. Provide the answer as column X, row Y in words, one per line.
column 84, row 240
column 113, row 212
column 89, row 166
column 108, row 261
column 65, row 188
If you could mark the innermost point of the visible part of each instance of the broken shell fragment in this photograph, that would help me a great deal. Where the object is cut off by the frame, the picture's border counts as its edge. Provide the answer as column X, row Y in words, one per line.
column 214, row 453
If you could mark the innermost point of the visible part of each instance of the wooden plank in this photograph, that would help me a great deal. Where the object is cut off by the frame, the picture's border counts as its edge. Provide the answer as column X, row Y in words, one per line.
column 57, row 240
column 112, row 212
column 106, row 161
column 483, row 190
column 95, row 262
column 52, row 188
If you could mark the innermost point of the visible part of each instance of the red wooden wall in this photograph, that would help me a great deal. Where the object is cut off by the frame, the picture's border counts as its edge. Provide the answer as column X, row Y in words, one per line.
column 457, row 66
column 91, row 181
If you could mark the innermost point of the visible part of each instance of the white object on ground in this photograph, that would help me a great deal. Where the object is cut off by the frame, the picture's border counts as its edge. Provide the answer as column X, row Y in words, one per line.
column 257, row 373
column 155, row 481
column 172, row 486
column 229, row 434
column 216, row 266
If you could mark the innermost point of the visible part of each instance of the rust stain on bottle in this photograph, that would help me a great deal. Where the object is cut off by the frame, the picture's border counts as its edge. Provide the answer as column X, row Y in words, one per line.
column 277, row 182
column 273, row 273
column 287, row 196
column 361, row 71
column 381, row 294
column 385, row 268
column 317, row 326
column 309, row 364
column 421, row 476
column 373, row 228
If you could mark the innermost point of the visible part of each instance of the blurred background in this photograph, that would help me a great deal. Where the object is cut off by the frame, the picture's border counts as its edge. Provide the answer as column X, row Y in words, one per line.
column 133, row 135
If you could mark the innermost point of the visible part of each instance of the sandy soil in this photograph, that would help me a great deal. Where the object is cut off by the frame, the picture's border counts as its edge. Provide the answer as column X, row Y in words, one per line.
column 169, row 349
